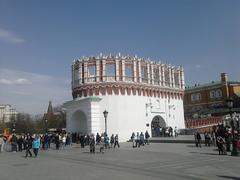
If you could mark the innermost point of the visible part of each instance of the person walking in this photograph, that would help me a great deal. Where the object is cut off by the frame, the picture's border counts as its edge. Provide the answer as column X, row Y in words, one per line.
column 116, row 141
column 112, row 140
column 147, row 136
column 28, row 146
column 14, row 141
column 92, row 144
column 36, row 145
column 199, row 139
column 133, row 138
column 137, row 140
column 141, row 139
column 20, row 143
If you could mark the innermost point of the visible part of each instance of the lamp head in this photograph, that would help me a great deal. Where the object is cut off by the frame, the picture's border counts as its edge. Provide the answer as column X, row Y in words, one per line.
column 105, row 113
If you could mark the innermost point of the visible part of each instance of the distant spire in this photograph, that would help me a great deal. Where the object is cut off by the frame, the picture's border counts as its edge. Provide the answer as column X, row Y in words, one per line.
column 50, row 108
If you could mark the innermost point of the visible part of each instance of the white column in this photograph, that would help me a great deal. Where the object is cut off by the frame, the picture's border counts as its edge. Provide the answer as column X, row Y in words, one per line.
column 152, row 75
column 148, row 73
column 134, row 71
column 160, row 74
column 123, row 70
column 104, row 70
column 80, row 73
column 170, row 76
column 139, row 71
column 95, row 117
column 173, row 77
column 182, row 79
column 97, row 70
column 179, row 78
column 117, row 69
column 85, row 77
column 73, row 78
column 163, row 75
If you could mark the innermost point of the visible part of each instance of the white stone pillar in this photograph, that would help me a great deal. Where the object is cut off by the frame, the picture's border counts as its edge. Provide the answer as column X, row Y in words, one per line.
column 80, row 73
column 139, row 71
column 160, row 74
column 152, row 75
column 179, row 78
column 163, row 75
column 170, row 76
column 134, row 71
column 104, row 70
column 97, row 70
column 85, row 66
column 95, row 116
column 117, row 69
column 73, row 76
column 123, row 70
column 182, row 79
column 148, row 73
column 173, row 77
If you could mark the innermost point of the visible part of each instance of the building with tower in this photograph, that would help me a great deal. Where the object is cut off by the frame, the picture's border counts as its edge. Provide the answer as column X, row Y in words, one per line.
column 138, row 94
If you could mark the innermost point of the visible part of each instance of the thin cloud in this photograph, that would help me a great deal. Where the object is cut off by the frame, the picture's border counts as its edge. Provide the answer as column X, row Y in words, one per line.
column 20, row 81
column 30, row 92
column 10, row 37
column 197, row 66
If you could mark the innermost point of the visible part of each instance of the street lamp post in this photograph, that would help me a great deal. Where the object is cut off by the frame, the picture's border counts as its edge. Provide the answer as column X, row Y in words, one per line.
column 105, row 113
column 234, row 152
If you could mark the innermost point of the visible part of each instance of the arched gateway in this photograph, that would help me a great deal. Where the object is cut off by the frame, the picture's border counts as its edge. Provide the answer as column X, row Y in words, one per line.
column 157, row 123
column 79, row 122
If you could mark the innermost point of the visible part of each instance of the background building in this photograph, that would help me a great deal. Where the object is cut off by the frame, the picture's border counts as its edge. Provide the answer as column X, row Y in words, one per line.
column 204, row 105
column 7, row 112
column 138, row 94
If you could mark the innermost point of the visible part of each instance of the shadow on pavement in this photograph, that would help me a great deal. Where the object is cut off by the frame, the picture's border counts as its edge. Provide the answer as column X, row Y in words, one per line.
column 230, row 177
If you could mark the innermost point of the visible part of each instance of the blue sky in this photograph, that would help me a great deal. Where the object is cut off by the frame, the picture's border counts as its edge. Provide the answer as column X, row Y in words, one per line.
column 39, row 40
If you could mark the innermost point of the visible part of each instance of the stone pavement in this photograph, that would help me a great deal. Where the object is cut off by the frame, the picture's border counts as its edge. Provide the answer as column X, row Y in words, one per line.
column 151, row 162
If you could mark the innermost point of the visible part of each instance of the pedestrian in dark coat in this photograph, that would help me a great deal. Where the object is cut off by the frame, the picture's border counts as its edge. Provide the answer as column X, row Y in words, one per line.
column 116, row 141
column 28, row 146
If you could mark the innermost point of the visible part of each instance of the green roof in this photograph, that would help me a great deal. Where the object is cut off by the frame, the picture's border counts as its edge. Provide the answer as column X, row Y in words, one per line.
column 213, row 83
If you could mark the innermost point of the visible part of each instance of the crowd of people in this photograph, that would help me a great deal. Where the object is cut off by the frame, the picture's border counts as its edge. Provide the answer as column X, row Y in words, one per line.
column 32, row 143
column 140, row 139
column 220, row 136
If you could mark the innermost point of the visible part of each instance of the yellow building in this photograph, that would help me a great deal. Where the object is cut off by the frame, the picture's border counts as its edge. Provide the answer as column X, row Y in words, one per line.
column 209, row 99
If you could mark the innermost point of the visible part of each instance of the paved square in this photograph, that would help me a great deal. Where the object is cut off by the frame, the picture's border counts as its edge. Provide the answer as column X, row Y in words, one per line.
column 156, row 161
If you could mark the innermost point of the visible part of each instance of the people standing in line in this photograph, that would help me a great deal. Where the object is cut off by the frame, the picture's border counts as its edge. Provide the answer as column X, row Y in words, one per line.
column 116, row 141
column 112, row 140
column 133, row 138
column 92, row 143
column 147, row 136
column 28, row 146
column 36, row 145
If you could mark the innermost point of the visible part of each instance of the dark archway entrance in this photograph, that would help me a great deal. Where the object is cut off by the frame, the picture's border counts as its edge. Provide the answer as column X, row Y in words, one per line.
column 157, row 124
column 79, row 122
